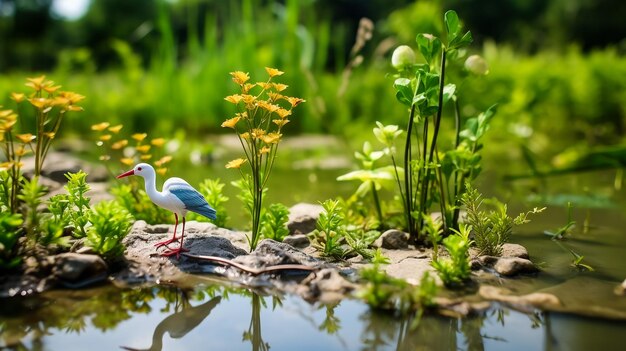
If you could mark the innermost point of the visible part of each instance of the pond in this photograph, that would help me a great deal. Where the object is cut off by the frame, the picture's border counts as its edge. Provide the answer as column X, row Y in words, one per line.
column 211, row 314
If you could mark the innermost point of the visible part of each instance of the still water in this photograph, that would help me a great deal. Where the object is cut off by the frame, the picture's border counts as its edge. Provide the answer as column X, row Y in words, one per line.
column 214, row 315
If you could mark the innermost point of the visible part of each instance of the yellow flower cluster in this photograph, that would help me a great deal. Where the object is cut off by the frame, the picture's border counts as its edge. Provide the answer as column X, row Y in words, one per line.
column 262, row 113
column 129, row 155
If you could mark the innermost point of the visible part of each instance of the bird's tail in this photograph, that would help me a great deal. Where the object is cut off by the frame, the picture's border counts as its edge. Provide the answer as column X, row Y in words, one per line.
column 207, row 211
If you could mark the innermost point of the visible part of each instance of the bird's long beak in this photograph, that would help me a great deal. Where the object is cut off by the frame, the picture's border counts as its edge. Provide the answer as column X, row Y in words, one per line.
column 126, row 174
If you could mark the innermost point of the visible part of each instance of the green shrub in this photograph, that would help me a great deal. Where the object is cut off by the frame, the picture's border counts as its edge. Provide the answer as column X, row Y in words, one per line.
column 110, row 223
column 10, row 232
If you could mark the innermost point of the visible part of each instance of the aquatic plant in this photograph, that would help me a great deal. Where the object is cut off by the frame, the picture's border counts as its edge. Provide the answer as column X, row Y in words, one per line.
column 110, row 223
column 456, row 269
column 494, row 227
column 565, row 230
column 262, row 112
column 330, row 230
column 274, row 222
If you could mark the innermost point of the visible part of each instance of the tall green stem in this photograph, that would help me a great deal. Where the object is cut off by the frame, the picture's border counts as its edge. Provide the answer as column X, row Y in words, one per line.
column 408, row 204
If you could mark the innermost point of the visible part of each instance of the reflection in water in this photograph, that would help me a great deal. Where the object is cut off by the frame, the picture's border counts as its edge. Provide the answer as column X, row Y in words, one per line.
column 184, row 319
column 254, row 330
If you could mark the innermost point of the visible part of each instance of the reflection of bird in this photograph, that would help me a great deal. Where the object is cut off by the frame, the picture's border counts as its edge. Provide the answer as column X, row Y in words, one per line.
column 177, row 196
column 179, row 324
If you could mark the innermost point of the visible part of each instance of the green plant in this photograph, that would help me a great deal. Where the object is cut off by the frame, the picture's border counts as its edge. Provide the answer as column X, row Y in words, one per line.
column 78, row 202
column 213, row 191
column 274, row 223
column 262, row 113
column 330, row 231
column 10, row 232
column 491, row 228
column 30, row 194
column 561, row 232
column 110, row 223
column 360, row 241
column 455, row 269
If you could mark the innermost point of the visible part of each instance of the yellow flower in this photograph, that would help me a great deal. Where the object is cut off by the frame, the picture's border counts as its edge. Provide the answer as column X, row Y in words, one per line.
column 158, row 142
column 119, row 144
column 18, row 97
column 282, row 113
column 5, row 165
column 271, row 138
column 25, row 138
column 234, row 99
column 143, row 148
column 49, row 135
column 267, row 106
column 273, row 72
column 146, row 157
column 36, row 83
column 100, row 126
column 39, row 103
column 161, row 170
column 240, row 77
column 264, row 150
column 127, row 161
column 139, row 136
column 245, row 136
column 163, row 160
column 280, row 86
column 104, row 158
column 74, row 108
column 116, row 129
column 257, row 133
column 237, row 163
column 242, row 115
column 274, row 96
column 280, row 122
column 295, row 101
column 248, row 100
column 264, row 85
column 21, row 151
column 51, row 88
column 72, row 96
column 105, row 137
column 246, row 87
column 231, row 123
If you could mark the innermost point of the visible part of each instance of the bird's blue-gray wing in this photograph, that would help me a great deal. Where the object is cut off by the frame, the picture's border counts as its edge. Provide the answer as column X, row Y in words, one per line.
column 193, row 200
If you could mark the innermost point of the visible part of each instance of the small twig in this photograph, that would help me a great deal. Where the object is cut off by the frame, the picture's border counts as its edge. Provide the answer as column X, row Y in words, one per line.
column 253, row 271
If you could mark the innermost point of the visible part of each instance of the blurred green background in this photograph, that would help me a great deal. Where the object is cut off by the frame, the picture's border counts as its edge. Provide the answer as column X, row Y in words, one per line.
column 557, row 68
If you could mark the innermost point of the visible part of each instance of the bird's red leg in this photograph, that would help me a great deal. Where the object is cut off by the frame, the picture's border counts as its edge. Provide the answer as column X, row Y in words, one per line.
column 169, row 241
column 180, row 249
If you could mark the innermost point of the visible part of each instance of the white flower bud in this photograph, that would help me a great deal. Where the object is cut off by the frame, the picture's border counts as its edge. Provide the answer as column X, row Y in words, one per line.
column 477, row 65
column 402, row 56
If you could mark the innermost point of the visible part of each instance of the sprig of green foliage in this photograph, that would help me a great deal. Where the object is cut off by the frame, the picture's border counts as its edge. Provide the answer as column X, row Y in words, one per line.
column 455, row 269
column 110, row 223
column 491, row 228
column 561, row 232
column 330, row 230
column 274, row 223
column 10, row 232
column 139, row 205
column 78, row 202
column 30, row 194
column 360, row 242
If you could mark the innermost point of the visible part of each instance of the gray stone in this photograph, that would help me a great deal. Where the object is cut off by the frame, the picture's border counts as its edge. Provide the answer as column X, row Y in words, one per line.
column 510, row 266
column 303, row 218
column 273, row 253
column 393, row 239
column 514, row 250
column 297, row 240
column 524, row 302
column 77, row 270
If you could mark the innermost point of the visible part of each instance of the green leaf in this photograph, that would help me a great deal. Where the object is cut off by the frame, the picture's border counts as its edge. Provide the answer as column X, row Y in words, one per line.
column 461, row 42
column 429, row 46
column 448, row 92
column 453, row 26
column 404, row 91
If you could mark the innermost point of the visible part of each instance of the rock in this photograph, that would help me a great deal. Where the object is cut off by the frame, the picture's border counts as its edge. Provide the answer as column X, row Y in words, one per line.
column 510, row 266
column 303, row 217
column 536, row 300
column 79, row 270
column 514, row 250
column 393, row 239
column 297, row 240
column 273, row 253
column 326, row 286
column 57, row 164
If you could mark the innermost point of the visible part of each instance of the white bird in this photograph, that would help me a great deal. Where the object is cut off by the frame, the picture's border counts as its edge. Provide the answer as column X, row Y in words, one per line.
column 177, row 196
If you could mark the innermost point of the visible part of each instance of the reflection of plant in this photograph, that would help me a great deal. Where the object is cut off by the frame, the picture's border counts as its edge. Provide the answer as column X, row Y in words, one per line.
column 491, row 228
column 253, row 334
column 258, row 125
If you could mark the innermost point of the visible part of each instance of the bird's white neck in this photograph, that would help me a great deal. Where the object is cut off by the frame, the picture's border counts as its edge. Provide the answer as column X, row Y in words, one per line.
column 154, row 195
